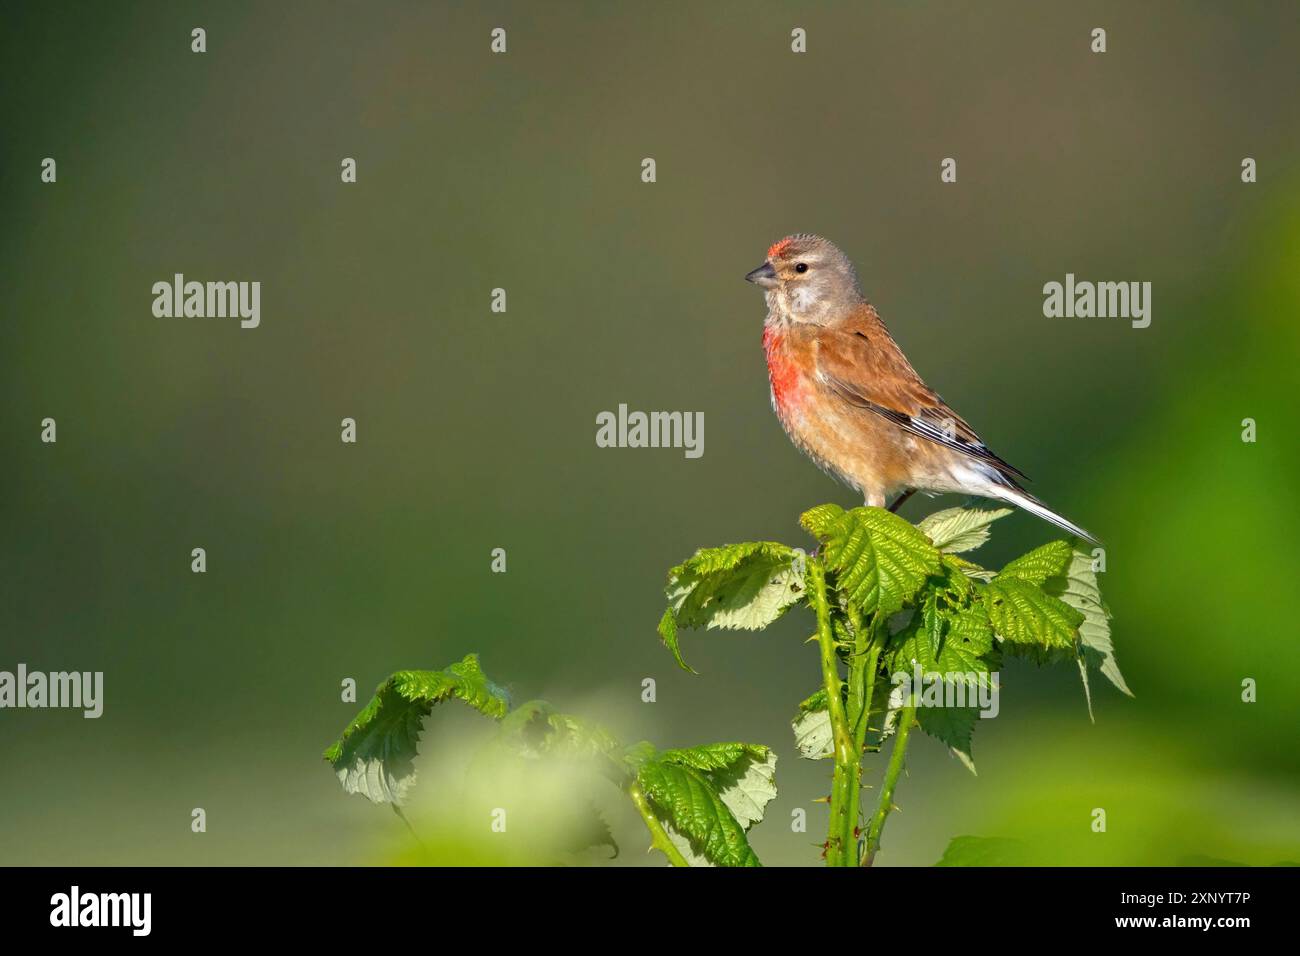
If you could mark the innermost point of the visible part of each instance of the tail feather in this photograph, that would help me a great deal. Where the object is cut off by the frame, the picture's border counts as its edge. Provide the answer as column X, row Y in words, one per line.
column 1023, row 499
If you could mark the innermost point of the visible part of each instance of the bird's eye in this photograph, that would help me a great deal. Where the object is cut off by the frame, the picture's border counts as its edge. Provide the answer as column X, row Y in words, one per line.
column 801, row 267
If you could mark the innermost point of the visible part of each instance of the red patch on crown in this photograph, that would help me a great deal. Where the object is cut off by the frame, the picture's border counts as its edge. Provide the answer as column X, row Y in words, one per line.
column 778, row 248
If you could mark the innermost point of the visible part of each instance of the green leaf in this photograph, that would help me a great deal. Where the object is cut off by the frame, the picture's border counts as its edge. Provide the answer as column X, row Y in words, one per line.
column 688, row 803
column 968, row 568
column 748, row 786
column 713, row 756
column 822, row 520
column 1037, row 566
column 635, row 755
column 374, row 755
column 574, row 738
column 744, row 775
column 738, row 587
column 953, row 726
column 1024, row 615
column 1078, row 588
column 984, row 851
column 964, row 655
column 586, row 827
column 880, row 561
column 955, row 530
column 813, row 734
column 668, row 634
column 536, row 729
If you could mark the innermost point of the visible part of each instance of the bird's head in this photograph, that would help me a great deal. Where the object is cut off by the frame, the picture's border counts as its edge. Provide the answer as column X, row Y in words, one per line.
column 807, row 279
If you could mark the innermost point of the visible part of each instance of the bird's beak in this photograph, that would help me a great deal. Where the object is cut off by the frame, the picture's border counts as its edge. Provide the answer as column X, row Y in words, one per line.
column 764, row 275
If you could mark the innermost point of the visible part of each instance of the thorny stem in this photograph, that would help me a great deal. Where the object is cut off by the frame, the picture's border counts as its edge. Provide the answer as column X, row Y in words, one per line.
column 659, row 839
column 863, row 661
column 868, row 643
column 906, row 718
column 842, row 834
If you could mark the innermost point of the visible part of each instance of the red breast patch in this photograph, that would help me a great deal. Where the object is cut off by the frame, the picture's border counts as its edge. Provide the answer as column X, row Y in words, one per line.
column 782, row 372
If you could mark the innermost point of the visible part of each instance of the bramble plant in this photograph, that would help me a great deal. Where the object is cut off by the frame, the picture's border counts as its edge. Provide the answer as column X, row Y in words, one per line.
column 697, row 803
column 910, row 635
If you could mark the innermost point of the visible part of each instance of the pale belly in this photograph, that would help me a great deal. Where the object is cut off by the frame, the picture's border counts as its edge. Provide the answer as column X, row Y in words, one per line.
column 859, row 449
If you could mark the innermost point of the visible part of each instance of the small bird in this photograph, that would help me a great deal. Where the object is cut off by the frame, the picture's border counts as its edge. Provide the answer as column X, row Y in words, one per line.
column 850, row 400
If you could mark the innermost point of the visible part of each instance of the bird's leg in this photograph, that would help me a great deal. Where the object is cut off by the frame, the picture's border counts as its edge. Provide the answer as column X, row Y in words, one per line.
column 898, row 502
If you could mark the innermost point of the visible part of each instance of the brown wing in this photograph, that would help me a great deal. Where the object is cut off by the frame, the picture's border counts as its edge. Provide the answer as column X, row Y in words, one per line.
column 860, row 361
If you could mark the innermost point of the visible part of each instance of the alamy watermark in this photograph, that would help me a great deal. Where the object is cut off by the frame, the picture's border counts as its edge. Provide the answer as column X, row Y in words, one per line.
column 75, row 690
column 1102, row 300
column 208, row 300
column 950, row 689
column 75, row 908
column 626, row 429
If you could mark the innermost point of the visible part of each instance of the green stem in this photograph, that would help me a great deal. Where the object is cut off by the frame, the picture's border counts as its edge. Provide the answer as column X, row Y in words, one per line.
column 659, row 839
column 868, row 645
column 857, row 674
column 844, row 786
column 860, row 731
column 906, row 717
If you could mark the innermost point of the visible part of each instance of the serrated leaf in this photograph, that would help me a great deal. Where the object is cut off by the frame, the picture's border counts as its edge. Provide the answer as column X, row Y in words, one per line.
column 687, row 802
column 713, row 756
column 813, row 734
column 685, row 847
column 953, row 726
column 536, row 729
column 955, row 530
column 668, row 634
column 589, row 829
column 744, row 775
column 737, row 587
column 634, row 755
column 969, row 568
column 820, row 521
column 961, row 656
column 374, row 755
column 1025, row 616
column 575, row 738
column 1048, row 561
column 880, row 561
column 748, row 786
column 814, row 701
column 1078, row 588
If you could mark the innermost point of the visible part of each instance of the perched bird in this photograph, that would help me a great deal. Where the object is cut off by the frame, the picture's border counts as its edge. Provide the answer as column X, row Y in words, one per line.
column 849, row 399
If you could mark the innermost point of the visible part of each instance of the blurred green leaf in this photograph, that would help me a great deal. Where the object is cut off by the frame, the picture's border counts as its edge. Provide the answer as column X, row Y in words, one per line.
column 374, row 755
column 984, row 851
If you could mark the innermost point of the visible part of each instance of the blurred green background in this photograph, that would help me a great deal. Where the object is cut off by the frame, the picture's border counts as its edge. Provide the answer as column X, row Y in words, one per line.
column 476, row 430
